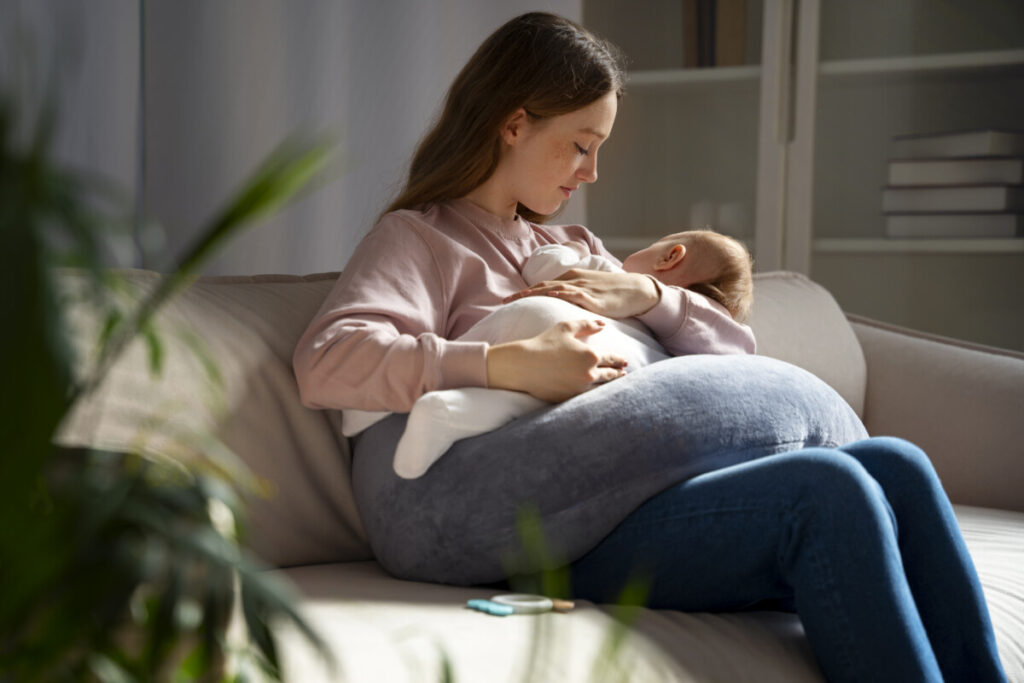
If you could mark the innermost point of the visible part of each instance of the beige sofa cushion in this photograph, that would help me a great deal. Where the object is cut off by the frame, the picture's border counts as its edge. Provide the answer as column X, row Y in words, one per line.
column 383, row 629
column 960, row 402
column 798, row 321
column 250, row 326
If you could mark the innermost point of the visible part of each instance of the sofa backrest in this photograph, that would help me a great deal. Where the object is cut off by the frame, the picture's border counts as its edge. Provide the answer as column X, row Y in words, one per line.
column 797, row 320
column 250, row 326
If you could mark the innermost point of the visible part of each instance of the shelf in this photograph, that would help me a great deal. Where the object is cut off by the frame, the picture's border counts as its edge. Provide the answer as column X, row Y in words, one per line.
column 845, row 67
column 923, row 63
column 918, row 246
column 854, row 245
column 719, row 74
column 628, row 245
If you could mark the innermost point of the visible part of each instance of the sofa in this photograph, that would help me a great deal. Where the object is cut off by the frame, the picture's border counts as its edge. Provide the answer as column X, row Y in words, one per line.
column 963, row 403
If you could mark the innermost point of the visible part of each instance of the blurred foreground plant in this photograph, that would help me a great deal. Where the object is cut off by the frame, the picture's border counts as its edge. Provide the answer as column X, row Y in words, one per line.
column 115, row 566
column 548, row 574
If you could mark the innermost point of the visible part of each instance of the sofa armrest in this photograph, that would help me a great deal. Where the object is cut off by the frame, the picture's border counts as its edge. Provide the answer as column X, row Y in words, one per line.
column 962, row 403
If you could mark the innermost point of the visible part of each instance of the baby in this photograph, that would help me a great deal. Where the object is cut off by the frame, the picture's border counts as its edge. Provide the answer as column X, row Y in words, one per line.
column 703, row 261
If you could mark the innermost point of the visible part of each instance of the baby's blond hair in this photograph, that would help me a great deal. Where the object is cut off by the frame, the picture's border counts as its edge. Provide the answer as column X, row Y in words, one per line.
column 730, row 270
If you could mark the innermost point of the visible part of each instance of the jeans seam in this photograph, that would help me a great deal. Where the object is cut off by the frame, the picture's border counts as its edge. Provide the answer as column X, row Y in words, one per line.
column 839, row 622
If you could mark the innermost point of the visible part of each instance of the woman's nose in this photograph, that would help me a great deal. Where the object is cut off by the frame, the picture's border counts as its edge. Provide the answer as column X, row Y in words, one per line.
column 587, row 171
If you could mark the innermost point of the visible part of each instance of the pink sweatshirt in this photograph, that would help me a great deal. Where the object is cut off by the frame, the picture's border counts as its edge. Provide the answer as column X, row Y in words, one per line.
column 420, row 279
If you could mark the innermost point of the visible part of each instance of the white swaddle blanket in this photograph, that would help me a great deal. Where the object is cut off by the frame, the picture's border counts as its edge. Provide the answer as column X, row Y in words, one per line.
column 439, row 418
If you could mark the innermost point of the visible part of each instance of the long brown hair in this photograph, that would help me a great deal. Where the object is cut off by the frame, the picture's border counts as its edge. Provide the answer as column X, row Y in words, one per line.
column 541, row 62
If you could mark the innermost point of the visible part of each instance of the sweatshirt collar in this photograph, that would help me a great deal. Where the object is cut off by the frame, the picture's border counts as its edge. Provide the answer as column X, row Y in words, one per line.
column 509, row 228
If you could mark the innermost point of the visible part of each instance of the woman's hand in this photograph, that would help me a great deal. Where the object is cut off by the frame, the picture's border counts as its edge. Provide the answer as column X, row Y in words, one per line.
column 615, row 295
column 555, row 365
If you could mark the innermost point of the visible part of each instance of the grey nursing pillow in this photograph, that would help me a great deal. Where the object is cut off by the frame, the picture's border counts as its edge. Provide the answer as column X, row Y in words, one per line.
column 587, row 463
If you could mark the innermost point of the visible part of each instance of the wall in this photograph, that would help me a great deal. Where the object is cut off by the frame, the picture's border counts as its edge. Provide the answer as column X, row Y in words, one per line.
column 90, row 60
column 226, row 81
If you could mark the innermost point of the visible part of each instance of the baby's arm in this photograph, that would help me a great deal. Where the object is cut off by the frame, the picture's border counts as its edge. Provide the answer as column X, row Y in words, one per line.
column 578, row 246
column 551, row 260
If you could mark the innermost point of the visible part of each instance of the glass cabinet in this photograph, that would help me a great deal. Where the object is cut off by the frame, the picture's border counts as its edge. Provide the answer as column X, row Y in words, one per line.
column 684, row 150
column 790, row 148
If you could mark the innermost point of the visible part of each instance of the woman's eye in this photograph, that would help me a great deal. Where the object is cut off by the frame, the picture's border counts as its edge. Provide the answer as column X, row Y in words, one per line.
column 580, row 150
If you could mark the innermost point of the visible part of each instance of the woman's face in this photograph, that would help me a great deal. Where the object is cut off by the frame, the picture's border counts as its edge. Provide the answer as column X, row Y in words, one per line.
column 547, row 160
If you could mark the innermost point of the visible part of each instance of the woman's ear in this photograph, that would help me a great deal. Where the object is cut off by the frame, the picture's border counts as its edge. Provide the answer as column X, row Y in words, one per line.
column 512, row 130
column 671, row 258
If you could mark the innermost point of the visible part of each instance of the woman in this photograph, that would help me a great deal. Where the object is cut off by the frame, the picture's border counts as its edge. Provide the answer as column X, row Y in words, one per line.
column 860, row 540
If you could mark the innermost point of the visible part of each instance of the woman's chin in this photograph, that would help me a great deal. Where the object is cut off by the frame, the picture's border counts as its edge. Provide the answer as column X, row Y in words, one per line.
column 545, row 208
column 555, row 207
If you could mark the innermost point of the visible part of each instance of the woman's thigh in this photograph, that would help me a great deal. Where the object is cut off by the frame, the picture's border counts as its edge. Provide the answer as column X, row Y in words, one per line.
column 744, row 536
column 585, row 464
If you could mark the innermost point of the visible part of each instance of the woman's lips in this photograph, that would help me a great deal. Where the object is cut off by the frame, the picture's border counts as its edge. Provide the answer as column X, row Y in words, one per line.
column 567, row 191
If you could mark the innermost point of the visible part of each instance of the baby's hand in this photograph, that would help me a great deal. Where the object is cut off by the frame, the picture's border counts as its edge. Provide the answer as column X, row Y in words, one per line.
column 580, row 247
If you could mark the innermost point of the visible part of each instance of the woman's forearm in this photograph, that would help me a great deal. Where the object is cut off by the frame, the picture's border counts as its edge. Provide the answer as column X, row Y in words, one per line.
column 555, row 365
column 364, row 365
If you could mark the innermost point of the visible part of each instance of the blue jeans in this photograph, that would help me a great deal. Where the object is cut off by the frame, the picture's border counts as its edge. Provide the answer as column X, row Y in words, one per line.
column 860, row 541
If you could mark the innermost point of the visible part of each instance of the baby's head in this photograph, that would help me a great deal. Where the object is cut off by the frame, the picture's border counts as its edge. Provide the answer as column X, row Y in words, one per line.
column 703, row 261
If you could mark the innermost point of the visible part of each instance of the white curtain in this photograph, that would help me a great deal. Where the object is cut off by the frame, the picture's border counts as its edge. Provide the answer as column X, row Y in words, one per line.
column 89, row 53
column 225, row 81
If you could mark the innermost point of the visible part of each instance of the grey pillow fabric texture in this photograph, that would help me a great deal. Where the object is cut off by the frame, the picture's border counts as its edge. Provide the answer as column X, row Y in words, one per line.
column 585, row 464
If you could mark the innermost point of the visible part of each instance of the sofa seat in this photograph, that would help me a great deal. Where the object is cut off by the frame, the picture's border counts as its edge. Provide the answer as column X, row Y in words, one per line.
column 383, row 629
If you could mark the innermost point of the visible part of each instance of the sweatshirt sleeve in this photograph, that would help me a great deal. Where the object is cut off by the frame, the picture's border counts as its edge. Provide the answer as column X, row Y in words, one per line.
column 375, row 343
column 686, row 322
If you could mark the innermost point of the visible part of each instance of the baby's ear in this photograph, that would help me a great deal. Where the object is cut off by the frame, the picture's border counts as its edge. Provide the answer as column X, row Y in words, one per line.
column 671, row 257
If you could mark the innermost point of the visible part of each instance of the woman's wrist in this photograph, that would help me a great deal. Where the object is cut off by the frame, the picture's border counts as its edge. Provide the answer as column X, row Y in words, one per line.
column 653, row 292
column 501, row 365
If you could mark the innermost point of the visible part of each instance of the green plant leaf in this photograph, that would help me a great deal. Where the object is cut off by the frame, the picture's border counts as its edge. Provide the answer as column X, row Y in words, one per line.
column 255, row 612
column 155, row 346
column 107, row 670
column 192, row 667
column 111, row 536
column 625, row 612
column 110, row 325
column 218, row 600
column 201, row 352
column 161, row 629
column 289, row 169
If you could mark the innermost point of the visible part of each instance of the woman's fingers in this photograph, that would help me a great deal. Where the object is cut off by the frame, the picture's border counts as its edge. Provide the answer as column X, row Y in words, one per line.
column 565, row 291
column 558, row 287
column 616, row 295
column 554, row 365
column 616, row 362
column 582, row 328
column 604, row 375
column 541, row 288
column 604, row 368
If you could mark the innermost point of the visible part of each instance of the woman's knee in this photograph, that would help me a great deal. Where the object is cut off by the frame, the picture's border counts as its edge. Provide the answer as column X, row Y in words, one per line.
column 828, row 469
column 836, row 505
column 832, row 484
column 893, row 461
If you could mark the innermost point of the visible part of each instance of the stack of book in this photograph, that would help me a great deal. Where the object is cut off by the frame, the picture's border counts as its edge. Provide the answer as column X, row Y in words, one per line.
column 963, row 184
column 714, row 32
